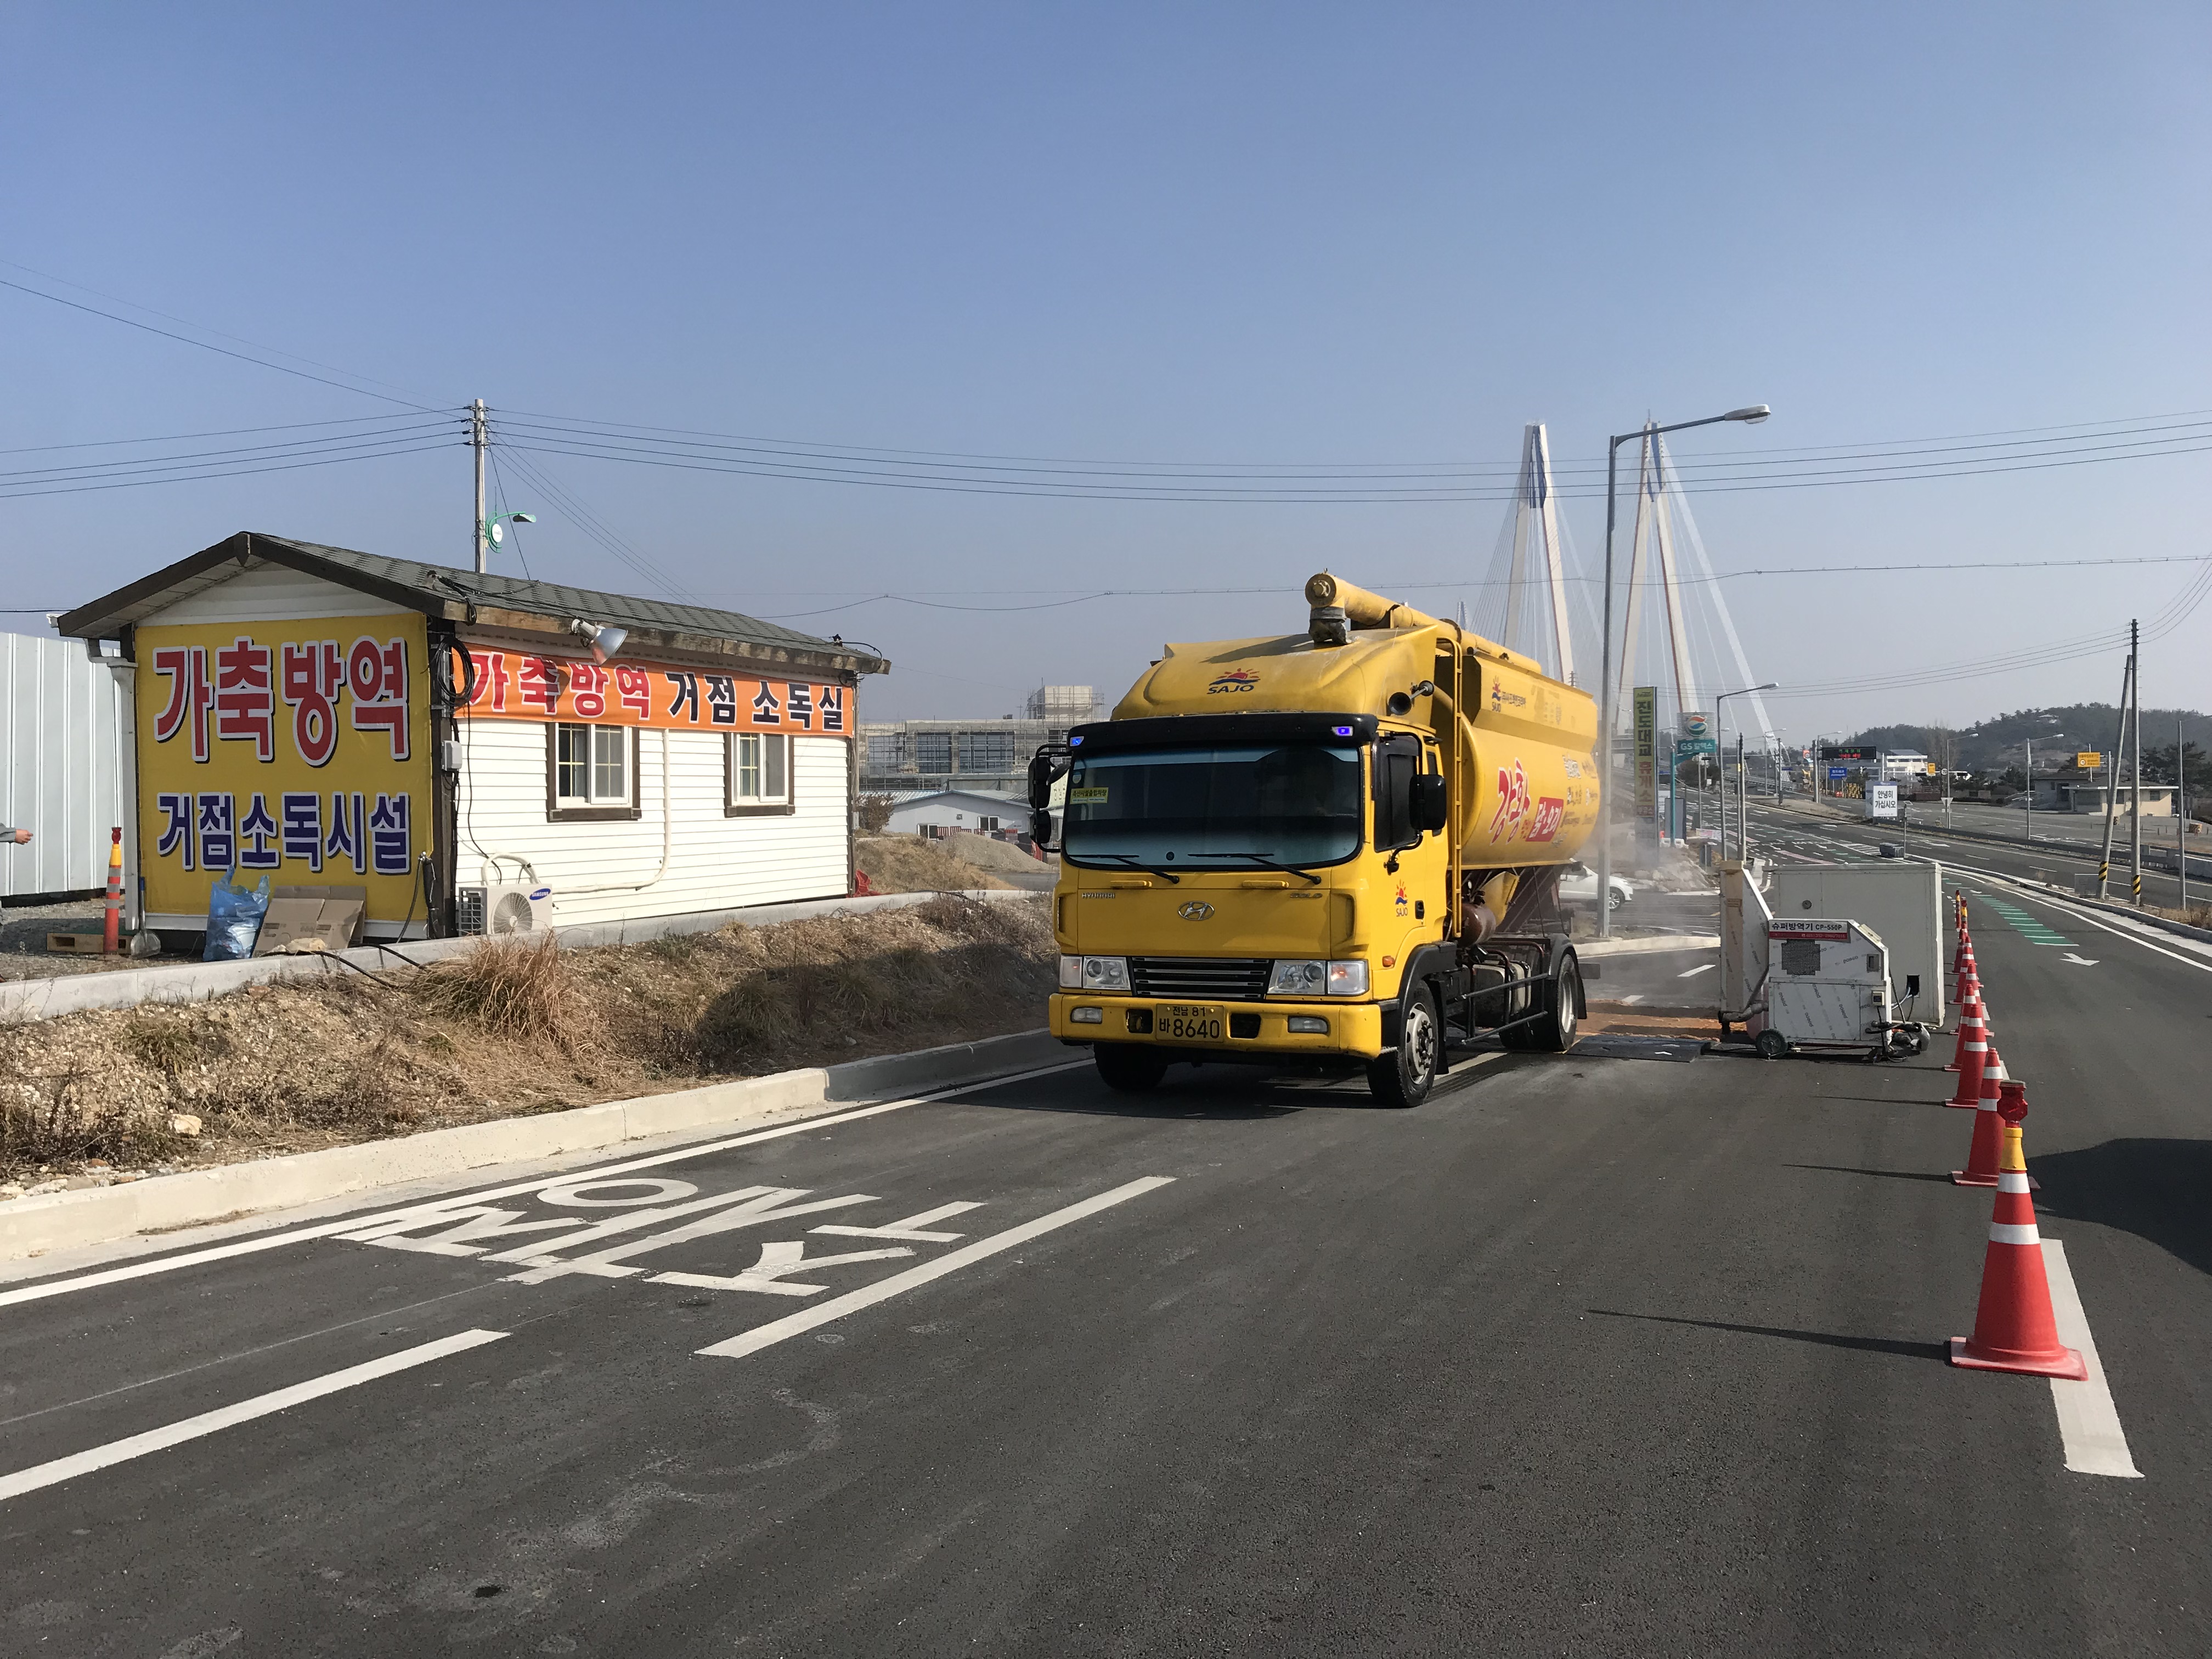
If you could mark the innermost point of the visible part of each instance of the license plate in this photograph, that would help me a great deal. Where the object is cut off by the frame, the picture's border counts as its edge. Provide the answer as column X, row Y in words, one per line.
column 1181, row 1023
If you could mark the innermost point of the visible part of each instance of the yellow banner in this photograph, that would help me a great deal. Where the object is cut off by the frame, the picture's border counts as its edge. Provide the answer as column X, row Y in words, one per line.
column 298, row 749
column 526, row 685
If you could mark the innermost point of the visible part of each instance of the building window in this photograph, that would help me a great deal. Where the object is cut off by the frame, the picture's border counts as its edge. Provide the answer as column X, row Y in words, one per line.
column 590, row 774
column 756, row 769
column 932, row 751
column 986, row 751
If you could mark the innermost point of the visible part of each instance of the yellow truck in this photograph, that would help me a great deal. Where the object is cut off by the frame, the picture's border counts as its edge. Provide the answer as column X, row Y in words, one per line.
column 1336, row 850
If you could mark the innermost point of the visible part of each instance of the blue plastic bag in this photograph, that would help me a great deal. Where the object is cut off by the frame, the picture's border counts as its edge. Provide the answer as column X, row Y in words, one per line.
column 234, row 918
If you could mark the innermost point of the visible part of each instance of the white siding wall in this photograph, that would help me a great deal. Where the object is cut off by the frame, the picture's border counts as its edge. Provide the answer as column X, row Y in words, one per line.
column 271, row 594
column 67, row 770
column 714, row 862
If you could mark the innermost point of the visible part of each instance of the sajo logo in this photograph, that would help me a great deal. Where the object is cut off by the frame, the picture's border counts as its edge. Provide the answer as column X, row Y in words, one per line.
column 1235, row 680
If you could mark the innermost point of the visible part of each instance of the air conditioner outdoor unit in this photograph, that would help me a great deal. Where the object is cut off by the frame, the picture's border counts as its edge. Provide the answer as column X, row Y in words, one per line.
column 503, row 908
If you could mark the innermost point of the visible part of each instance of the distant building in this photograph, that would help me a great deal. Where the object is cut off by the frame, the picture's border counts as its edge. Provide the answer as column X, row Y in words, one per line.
column 988, row 757
column 2081, row 792
column 957, row 809
column 1898, row 765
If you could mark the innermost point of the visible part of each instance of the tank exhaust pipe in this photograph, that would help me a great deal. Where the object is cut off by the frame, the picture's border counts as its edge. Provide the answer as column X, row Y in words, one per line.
column 1338, row 605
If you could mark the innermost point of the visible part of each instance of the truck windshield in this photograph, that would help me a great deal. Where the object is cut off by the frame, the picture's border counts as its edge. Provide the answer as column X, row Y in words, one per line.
column 1252, row 804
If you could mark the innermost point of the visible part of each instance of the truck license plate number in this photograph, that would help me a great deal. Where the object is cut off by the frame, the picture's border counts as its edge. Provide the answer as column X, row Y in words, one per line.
column 1182, row 1023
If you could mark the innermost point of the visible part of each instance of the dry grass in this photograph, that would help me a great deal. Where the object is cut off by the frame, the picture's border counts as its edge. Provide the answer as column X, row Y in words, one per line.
column 510, row 1028
column 916, row 864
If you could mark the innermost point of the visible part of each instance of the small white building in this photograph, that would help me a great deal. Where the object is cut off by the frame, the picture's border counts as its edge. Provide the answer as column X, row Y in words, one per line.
column 955, row 809
column 463, row 746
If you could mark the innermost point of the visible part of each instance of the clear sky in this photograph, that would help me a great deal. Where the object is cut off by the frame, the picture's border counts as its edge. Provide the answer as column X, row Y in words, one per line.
column 1226, row 234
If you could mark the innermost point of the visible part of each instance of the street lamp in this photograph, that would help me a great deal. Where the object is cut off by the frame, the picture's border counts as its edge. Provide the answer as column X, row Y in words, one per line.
column 1742, row 841
column 1751, row 416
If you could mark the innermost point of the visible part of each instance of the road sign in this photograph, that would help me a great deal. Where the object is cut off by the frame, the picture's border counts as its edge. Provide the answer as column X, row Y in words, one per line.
column 1685, row 747
column 1838, row 774
column 2088, row 760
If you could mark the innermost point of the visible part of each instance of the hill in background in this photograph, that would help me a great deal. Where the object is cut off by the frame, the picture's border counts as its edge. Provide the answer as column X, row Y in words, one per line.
column 1998, row 743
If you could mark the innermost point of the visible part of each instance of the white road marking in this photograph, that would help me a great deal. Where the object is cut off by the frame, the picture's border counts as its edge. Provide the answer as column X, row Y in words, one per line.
column 2088, row 1423
column 1692, row 973
column 760, row 1208
column 36, row 1291
column 192, row 1428
column 778, row 1330
column 2084, row 962
column 2027, row 891
column 784, row 1256
column 1630, row 1002
column 910, row 1228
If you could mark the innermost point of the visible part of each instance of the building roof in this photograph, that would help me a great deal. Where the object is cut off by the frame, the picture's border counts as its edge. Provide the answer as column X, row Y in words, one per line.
column 480, row 600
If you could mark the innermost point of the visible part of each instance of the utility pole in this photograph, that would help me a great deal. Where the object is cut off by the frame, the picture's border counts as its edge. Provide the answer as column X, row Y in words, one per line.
column 478, row 439
column 2134, row 801
column 2181, row 813
column 2027, row 813
column 2112, row 770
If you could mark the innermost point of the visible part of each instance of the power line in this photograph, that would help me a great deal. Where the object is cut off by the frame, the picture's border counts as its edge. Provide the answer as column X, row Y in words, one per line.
column 225, row 432
column 231, row 473
column 329, row 443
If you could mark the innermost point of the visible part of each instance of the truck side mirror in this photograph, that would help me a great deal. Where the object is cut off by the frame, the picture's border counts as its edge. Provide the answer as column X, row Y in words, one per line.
column 1430, row 807
column 1045, row 769
column 1041, row 828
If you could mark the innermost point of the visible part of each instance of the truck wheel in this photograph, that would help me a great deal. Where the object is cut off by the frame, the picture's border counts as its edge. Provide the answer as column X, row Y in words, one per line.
column 1404, row 1075
column 1553, row 1031
column 1126, row 1066
column 1770, row 1044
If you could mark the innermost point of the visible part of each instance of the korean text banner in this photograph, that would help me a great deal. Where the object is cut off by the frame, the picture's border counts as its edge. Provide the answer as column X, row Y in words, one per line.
column 297, row 749
column 525, row 685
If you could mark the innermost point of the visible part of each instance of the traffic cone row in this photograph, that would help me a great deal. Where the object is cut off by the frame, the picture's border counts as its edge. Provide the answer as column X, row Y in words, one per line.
column 1974, row 1055
column 2014, row 1327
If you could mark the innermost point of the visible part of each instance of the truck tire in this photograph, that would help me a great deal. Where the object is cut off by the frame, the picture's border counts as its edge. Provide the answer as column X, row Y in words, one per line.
column 1129, row 1067
column 1404, row 1075
column 1557, row 1009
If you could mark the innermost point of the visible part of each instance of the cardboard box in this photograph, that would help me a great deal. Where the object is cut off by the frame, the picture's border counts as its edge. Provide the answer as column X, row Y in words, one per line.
column 333, row 915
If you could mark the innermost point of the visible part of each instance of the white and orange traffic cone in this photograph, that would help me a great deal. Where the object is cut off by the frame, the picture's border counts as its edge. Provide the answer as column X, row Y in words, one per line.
column 111, row 936
column 1973, row 1055
column 1988, row 1144
column 2015, row 1329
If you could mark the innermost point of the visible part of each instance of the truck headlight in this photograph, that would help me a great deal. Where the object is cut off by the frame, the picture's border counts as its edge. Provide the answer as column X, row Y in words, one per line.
column 1348, row 979
column 1105, row 973
column 1298, row 979
column 1087, row 1015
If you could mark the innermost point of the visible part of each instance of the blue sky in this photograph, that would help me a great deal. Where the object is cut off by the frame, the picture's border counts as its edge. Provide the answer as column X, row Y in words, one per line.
column 1229, row 234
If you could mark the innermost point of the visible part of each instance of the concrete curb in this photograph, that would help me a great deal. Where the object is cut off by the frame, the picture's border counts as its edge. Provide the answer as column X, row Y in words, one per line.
column 1630, row 947
column 32, row 1227
column 130, row 987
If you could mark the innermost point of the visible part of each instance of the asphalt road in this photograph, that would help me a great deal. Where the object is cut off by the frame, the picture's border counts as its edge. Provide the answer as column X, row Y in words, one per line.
column 1584, row 1357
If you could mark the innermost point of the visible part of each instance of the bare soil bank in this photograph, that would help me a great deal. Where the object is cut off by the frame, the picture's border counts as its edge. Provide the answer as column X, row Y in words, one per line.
column 506, row 1030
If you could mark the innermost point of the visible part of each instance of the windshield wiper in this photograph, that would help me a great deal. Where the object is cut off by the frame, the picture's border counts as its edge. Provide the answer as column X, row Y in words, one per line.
column 1149, row 869
column 1263, row 859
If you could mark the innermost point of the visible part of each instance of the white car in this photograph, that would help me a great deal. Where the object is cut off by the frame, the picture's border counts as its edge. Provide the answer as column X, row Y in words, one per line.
column 1579, row 885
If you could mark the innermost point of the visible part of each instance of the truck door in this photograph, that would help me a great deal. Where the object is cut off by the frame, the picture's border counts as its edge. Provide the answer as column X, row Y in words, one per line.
column 1412, row 900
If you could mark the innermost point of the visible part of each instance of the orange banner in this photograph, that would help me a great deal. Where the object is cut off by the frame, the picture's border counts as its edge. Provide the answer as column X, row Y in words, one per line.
column 513, row 685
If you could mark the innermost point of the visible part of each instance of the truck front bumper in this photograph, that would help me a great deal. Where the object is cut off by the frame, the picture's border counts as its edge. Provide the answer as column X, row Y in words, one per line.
column 1350, row 1029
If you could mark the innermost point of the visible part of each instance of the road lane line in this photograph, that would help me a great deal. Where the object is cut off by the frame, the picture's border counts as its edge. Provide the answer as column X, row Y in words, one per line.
column 2088, row 1423
column 192, row 1428
column 1692, row 973
column 39, row 1289
column 762, row 1336
column 2061, row 906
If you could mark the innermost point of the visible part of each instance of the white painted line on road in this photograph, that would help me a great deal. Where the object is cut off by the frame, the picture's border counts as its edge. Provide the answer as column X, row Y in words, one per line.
column 36, row 1292
column 192, row 1428
column 1703, row 968
column 2088, row 1423
column 2080, row 961
column 763, row 1336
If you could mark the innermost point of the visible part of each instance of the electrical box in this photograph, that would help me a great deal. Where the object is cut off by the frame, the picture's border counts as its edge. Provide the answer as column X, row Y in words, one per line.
column 1827, row 983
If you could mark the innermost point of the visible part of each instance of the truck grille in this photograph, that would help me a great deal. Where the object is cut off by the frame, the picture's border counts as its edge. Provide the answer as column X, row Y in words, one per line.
column 1199, row 976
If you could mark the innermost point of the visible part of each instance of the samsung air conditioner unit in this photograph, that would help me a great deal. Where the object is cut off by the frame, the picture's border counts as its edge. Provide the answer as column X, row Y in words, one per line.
column 503, row 908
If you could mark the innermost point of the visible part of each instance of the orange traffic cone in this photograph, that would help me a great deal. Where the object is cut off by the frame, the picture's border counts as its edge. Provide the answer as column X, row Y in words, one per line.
column 1973, row 1055
column 1982, row 1169
column 2015, row 1329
